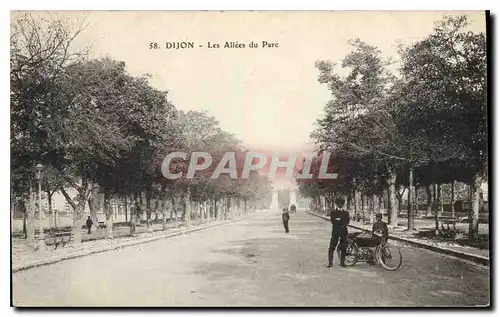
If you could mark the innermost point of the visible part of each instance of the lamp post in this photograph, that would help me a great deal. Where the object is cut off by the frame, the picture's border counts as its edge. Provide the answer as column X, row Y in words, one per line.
column 41, row 237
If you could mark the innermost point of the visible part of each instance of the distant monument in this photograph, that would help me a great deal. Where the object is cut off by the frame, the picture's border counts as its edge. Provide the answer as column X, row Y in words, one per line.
column 283, row 185
column 274, row 201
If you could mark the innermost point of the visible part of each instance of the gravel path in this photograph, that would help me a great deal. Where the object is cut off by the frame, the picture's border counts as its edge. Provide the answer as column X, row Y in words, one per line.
column 250, row 263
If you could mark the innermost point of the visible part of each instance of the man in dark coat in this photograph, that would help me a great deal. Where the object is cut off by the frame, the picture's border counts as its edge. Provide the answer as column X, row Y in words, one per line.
column 340, row 219
column 89, row 224
column 285, row 217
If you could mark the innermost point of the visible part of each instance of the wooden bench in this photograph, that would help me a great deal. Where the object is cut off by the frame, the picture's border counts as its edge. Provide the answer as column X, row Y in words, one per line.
column 100, row 225
column 448, row 222
column 58, row 238
column 448, row 232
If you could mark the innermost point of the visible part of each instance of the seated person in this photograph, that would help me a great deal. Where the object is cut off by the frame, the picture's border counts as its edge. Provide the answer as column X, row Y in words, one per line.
column 380, row 232
column 379, row 235
column 380, row 228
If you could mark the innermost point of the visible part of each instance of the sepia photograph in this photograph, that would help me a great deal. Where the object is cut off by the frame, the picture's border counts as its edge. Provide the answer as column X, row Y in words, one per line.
column 250, row 159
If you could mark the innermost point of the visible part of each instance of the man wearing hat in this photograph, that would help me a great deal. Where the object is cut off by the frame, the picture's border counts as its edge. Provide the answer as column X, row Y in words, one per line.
column 285, row 216
column 340, row 220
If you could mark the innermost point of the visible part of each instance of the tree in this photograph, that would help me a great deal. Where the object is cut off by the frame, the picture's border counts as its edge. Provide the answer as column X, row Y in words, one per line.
column 358, row 122
column 40, row 52
column 445, row 102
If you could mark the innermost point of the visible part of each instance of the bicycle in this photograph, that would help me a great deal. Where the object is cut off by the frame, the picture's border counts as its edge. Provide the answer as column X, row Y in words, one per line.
column 361, row 249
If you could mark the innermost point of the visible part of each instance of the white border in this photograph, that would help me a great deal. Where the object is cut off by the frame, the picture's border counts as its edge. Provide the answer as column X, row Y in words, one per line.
column 197, row 5
column 253, row 5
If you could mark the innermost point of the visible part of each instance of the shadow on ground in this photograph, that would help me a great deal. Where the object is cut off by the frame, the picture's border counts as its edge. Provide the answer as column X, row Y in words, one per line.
column 459, row 236
column 272, row 268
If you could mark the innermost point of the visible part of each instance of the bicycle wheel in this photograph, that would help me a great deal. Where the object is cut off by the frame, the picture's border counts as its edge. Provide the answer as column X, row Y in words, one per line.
column 351, row 253
column 389, row 257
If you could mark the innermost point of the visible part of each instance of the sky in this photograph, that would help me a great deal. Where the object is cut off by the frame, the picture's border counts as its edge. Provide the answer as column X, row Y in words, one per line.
column 268, row 97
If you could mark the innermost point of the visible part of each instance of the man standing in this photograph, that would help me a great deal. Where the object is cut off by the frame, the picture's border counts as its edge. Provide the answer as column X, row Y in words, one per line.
column 89, row 224
column 340, row 220
column 285, row 217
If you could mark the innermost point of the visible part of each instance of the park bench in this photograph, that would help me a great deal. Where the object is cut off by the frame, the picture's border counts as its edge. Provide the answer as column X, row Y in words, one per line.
column 100, row 225
column 58, row 238
column 448, row 222
column 449, row 232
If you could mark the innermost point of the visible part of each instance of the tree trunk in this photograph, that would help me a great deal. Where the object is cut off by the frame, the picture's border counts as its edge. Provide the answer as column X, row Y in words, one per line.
column 51, row 211
column 178, row 204
column 173, row 207
column 357, row 207
column 108, row 211
column 78, row 221
column 231, row 207
column 224, row 208
column 203, row 211
column 411, row 220
column 199, row 210
column 392, row 197
column 363, row 207
column 207, row 210
column 188, row 208
column 126, row 207
column 135, row 214
column 141, row 216
column 469, row 198
column 416, row 202
column 429, row 200
column 182, row 201
column 164, row 213
column 435, row 208
column 25, row 217
column 94, row 203
column 474, row 215
column 164, row 203
column 381, row 202
column 349, row 203
column 389, row 206
column 149, row 227
column 374, row 208
column 30, row 226
column 452, row 199
column 78, row 210
column 216, row 210
column 440, row 200
column 399, row 197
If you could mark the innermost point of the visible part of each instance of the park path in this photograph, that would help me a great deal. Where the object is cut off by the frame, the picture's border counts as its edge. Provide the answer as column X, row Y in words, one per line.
column 250, row 263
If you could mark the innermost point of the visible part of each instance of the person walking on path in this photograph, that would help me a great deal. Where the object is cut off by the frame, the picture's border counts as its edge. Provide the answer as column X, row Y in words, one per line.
column 340, row 219
column 285, row 217
column 89, row 224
